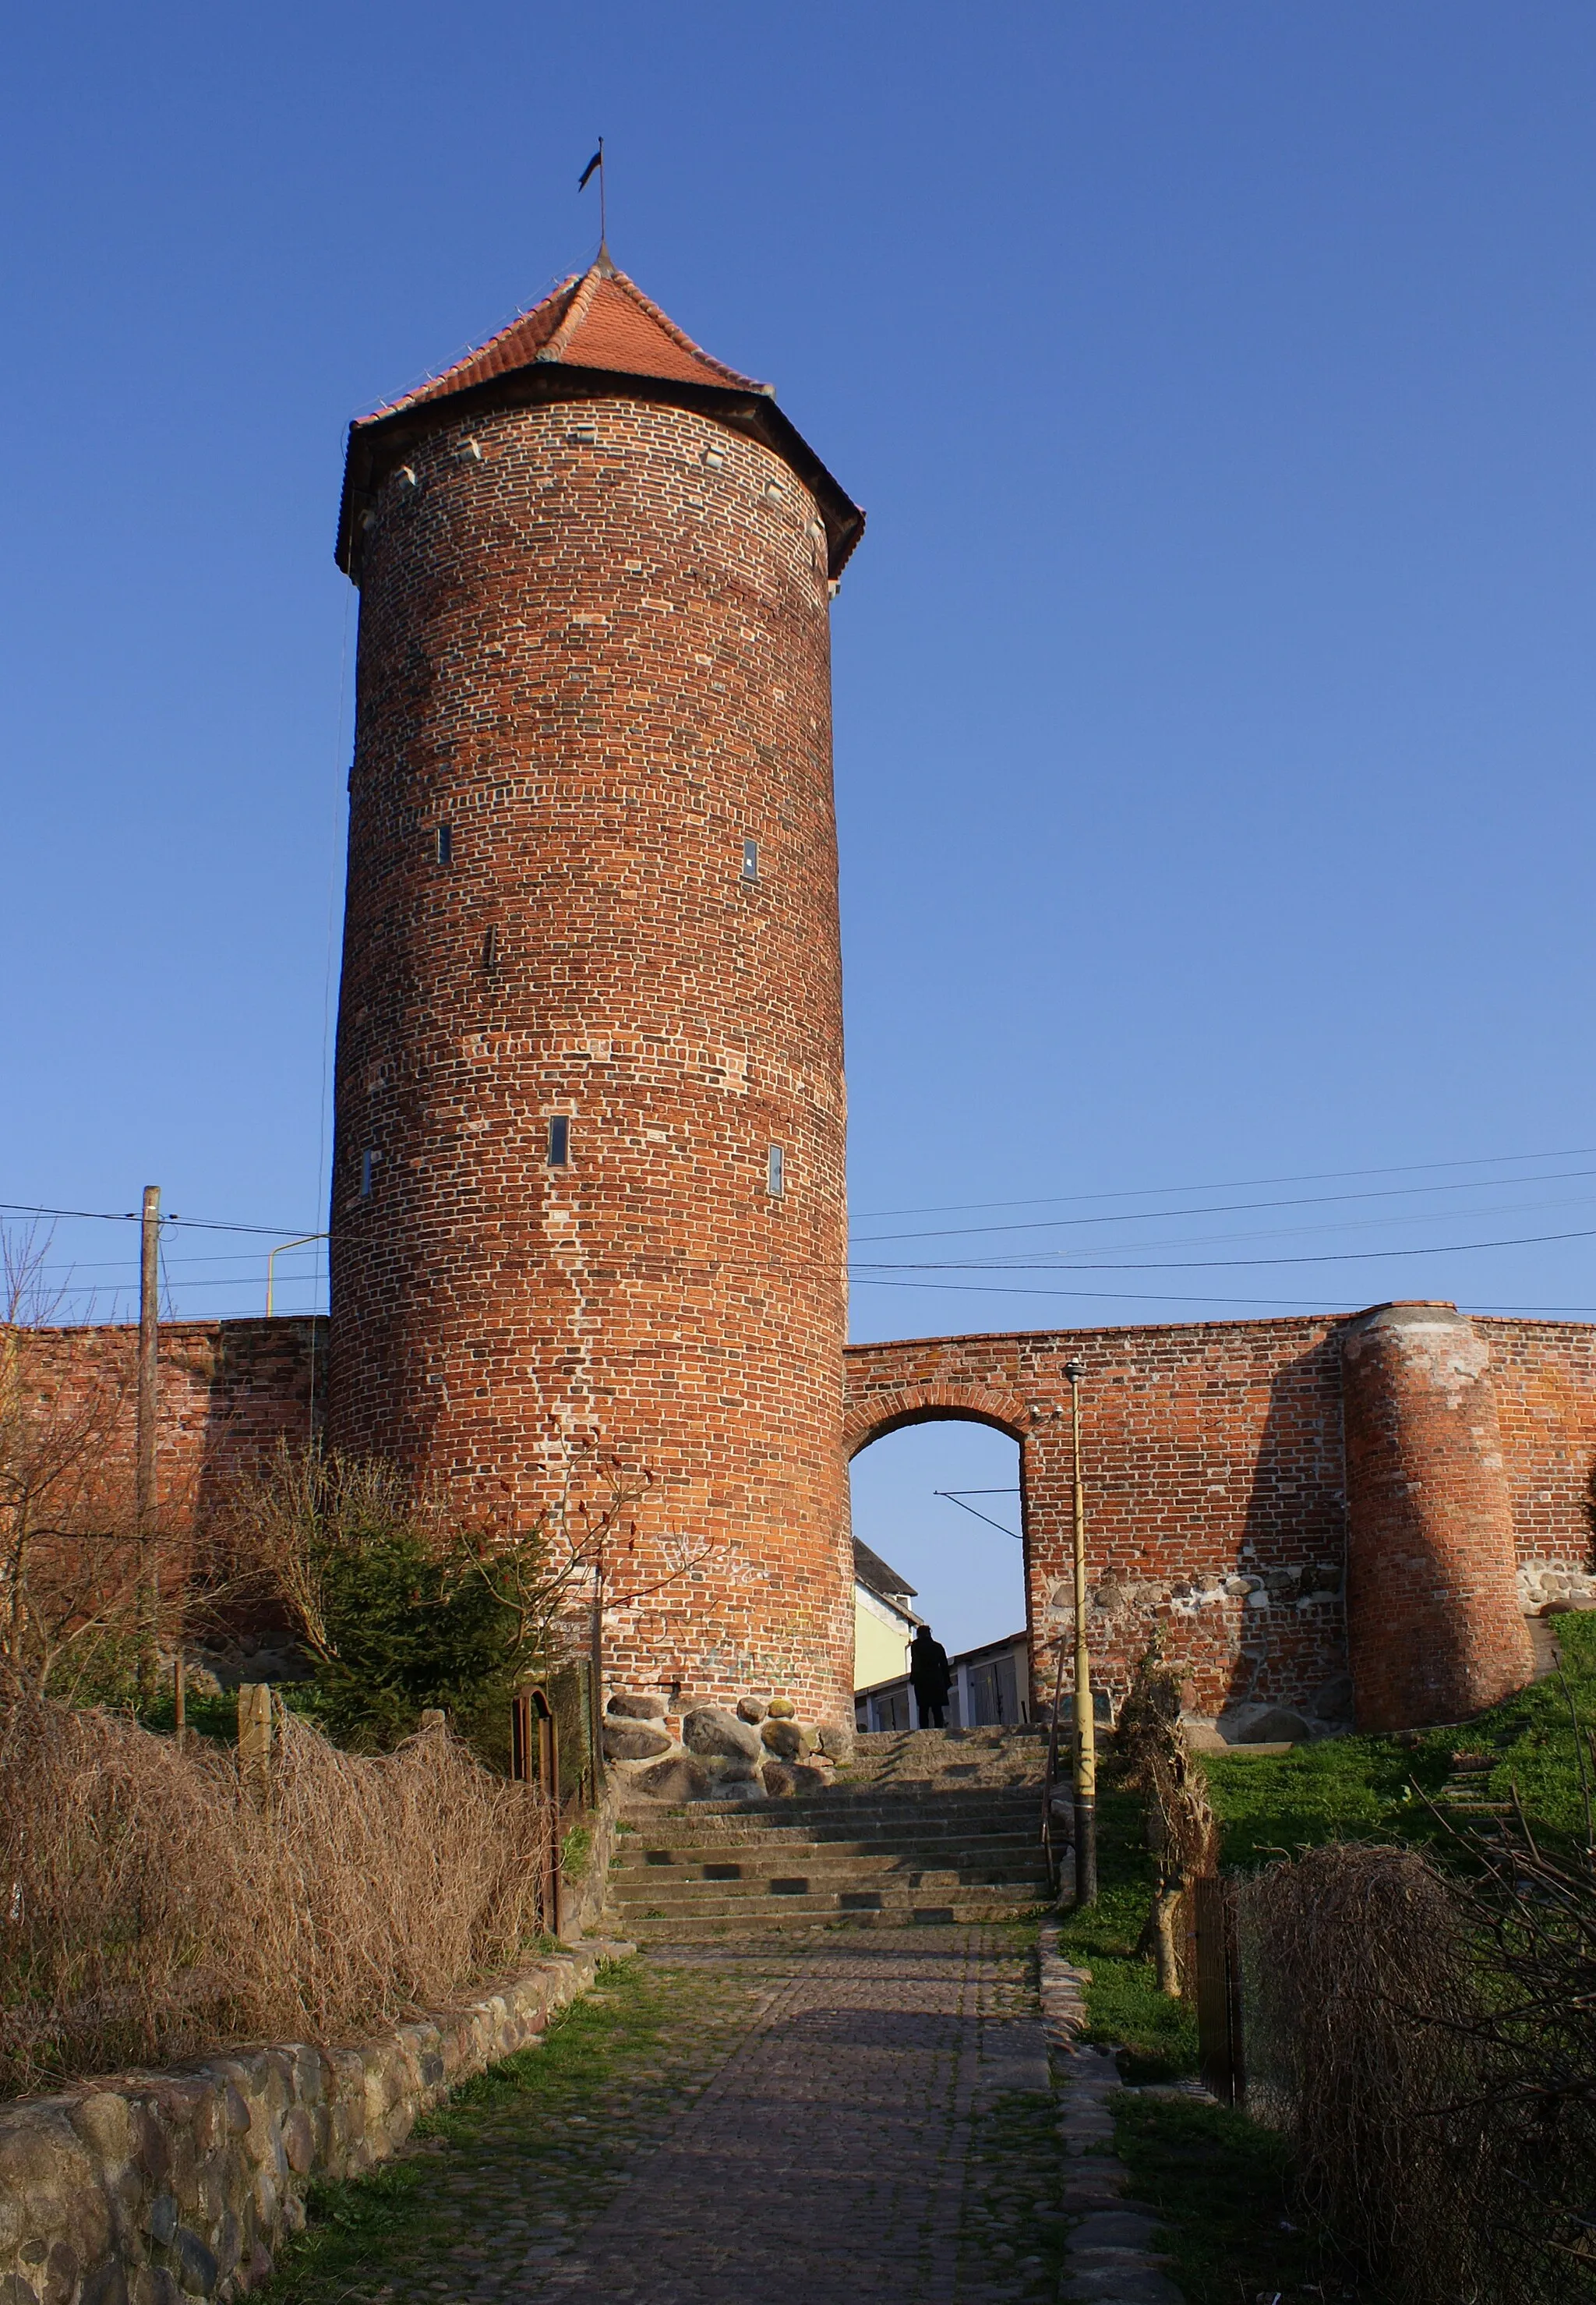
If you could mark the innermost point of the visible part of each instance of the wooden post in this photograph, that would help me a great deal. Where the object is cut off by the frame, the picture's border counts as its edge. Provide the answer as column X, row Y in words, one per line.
column 180, row 1701
column 1219, row 2052
column 149, row 1334
column 596, row 1679
column 535, row 1759
column 1054, row 1869
column 255, row 1742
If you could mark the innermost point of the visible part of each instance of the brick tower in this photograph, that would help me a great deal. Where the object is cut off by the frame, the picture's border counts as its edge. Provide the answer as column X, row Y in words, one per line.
column 587, row 1186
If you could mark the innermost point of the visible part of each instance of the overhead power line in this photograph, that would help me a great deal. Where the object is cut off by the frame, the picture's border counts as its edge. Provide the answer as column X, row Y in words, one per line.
column 1035, row 1257
column 1179, row 1297
column 1214, row 1264
column 129, row 1216
column 1229, row 1208
column 1235, row 1185
column 957, row 1497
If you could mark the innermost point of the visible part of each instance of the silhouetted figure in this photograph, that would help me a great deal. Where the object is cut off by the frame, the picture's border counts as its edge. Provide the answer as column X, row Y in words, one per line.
column 931, row 1677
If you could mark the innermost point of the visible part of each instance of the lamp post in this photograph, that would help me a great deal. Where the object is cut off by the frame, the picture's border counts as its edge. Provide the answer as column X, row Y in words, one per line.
column 1086, row 1886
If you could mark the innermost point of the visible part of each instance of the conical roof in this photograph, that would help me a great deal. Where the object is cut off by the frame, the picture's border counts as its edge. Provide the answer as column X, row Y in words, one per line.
column 596, row 318
column 593, row 330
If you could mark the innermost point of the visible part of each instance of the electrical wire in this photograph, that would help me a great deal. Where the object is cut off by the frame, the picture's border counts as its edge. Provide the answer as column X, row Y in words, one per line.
column 1019, row 1260
column 132, row 1216
column 957, row 1496
column 1237, row 1185
column 1297, row 1305
column 1213, row 1263
column 1225, row 1208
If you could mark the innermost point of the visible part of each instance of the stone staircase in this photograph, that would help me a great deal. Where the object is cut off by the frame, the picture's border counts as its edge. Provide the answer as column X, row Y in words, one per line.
column 924, row 1826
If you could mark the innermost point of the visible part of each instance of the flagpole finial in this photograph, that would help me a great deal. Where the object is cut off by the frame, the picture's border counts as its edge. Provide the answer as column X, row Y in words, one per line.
column 595, row 167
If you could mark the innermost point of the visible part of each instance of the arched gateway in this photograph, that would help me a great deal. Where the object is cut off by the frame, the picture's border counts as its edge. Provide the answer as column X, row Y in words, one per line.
column 1301, row 1504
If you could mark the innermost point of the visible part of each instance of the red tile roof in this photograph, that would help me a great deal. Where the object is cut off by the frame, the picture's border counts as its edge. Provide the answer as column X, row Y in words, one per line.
column 597, row 324
column 596, row 319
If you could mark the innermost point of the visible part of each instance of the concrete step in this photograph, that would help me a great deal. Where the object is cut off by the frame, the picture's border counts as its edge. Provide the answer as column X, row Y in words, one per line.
column 678, row 1882
column 849, row 1804
column 938, row 1819
column 867, row 1855
column 670, row 1925
column 963, row 1848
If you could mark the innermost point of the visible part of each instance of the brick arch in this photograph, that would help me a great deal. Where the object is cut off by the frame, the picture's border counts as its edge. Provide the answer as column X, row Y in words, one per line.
column 880, row 1413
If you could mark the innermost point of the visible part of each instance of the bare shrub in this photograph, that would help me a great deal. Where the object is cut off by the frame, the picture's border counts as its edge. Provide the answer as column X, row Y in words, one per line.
column 150, row 1910
column 1183, row 1834
column 1531, row 2037
column 406, row 1597
column 1425, row 2041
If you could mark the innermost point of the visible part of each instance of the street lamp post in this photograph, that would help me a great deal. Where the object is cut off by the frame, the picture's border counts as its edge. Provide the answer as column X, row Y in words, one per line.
column 1086, row 1884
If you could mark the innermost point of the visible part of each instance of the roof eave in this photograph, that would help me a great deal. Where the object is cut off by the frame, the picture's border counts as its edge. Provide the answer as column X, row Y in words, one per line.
column 377, row 442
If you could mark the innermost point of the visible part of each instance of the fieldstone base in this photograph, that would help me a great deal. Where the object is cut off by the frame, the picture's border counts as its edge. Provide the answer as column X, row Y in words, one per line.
column 148, row 2187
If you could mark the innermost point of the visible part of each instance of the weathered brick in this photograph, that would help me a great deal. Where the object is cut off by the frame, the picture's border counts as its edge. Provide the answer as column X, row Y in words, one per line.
column 594, row 661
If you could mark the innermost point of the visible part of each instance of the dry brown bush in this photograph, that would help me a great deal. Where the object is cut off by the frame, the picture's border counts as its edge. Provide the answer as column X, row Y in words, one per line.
column 149, row 1910
column 1183, row 1834
column 1429, row 2097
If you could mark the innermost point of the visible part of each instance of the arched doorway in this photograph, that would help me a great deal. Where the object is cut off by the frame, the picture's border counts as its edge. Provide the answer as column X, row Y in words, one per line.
column 939, row 1538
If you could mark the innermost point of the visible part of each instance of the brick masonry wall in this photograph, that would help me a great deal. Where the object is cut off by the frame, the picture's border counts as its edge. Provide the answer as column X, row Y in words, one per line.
column 1435, row 1628
column 1544, row 1374
column 227, row 1392
column 1200, row 1443
column 1212, row 1460
column 595, row 647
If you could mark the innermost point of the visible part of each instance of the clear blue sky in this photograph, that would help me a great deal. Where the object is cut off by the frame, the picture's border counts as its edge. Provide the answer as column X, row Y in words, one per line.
column 1214, row 683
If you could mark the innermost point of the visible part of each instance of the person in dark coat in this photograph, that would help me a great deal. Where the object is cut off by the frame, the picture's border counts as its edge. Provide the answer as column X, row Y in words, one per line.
column 931, row 1678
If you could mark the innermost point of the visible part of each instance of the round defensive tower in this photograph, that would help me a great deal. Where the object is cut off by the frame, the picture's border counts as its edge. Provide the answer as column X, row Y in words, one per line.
column 588, row 1190
column 1435, row 1628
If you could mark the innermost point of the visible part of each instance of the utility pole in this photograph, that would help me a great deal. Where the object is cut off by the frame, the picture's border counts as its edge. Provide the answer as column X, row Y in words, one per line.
column 1086, row 1883
column 149, row 1317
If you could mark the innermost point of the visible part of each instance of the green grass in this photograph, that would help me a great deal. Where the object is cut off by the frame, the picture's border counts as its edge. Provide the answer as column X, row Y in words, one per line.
column 1224, row 2185
column 1122, row 2001
column 1224, row 2181
column 1363, row 1788
column 1013, row 2222
column 1347, row 1788
column 548, row 2136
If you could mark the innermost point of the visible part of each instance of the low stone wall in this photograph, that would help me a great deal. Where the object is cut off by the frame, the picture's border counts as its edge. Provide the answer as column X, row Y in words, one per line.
column 152, row 2187
column 709, row 1753
column 582, row 1900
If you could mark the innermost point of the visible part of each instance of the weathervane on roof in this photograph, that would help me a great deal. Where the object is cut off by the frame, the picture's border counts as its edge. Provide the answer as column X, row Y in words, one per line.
column 595, row 164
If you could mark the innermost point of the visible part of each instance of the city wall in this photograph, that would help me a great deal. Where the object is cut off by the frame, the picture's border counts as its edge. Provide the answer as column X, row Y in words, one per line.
column 1302, row 1504
column 1291, row 1549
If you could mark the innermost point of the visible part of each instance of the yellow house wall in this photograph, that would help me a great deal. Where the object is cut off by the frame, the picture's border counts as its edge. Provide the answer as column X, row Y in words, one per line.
column 880, row 1651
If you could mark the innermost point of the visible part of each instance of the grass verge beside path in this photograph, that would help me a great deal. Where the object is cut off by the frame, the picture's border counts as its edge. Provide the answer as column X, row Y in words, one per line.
column 1122, row 2001
column 524, row 2155
column 1224, row 2185
column 1223, row 2181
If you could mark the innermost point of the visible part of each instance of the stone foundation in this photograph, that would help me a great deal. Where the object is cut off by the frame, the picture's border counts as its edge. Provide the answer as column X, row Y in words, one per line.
column 759, row 1752
column 148, row 2187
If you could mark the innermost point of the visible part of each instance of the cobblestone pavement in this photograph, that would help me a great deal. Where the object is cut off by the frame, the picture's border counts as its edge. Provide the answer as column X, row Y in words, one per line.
column 855, row 2114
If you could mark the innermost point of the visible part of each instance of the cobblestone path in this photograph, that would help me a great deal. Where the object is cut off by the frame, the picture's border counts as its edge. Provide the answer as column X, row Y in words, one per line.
column 858, row 2114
